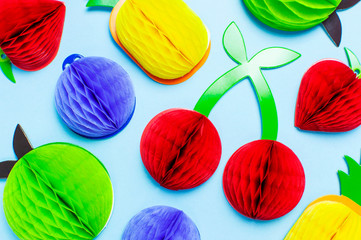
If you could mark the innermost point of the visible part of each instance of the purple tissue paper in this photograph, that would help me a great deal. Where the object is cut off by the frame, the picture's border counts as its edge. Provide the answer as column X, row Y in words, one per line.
column 161, row 223
column 95, row 97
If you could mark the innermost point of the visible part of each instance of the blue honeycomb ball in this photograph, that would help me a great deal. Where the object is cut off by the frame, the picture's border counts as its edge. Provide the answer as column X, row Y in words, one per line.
column 94, row 96
column 160, row 223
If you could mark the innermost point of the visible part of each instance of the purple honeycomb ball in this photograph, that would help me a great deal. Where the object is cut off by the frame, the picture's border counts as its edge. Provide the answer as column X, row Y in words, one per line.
column 94, row 96
column 160, row 223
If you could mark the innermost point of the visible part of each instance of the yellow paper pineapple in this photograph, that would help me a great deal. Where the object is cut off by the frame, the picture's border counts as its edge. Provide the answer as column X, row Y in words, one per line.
column 165, row 38
column 333, row 217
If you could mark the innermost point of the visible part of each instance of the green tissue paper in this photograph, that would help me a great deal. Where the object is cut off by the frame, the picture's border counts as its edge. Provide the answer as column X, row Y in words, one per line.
column 58, row 191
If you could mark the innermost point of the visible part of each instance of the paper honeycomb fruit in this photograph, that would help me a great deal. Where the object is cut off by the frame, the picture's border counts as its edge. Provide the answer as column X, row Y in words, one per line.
column 30, row 31
column 180, row 148
column 292, row 15
column 94, row 96
column 333, row 217
column 58, row 191
column 152, row 33
column 298, row 15
column 161, row 222
column 263, row 180
column 329, row 98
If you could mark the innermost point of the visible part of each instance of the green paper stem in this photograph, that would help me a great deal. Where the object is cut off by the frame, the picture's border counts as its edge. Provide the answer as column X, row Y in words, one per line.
column 353, row 61
column 267, row 105
column 102, row 3
column 218, row 88
column 5, row 65
column 266, row 59
column 350, row 184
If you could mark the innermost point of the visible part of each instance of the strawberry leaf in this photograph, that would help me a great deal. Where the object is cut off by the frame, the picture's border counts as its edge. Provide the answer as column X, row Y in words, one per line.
column 350, row 184
column 353, row 62
column 234, row 44
column 5, row 66
column 274, row 57
column 102, row 3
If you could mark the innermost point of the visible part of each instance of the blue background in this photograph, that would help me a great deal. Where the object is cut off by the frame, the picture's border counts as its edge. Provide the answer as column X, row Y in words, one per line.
column 30, row 102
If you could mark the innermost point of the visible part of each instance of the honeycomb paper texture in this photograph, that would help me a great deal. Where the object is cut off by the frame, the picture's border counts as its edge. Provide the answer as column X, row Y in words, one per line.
column 327, row 220
column 95, row 97
column 329, row 98
column 58, row 191
column 161, row 222
column 263, row 180
column 31, row 34
column 292, row 15
column 180, row 148
column 153, row 33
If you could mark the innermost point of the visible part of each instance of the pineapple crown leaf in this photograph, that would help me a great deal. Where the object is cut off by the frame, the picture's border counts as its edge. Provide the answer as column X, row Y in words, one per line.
column 351, row 183
column 102, row 3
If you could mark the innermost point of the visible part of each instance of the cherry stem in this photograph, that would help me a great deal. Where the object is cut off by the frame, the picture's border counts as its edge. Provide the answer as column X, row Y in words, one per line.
column 218, row 88
column 267, row 105
column 268, row 58
column 265, row 98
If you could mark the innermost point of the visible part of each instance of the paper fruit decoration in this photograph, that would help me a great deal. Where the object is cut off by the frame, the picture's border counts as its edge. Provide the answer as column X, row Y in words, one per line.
column 329, row 99
column 152, row 33
column 30, row 33
column 56, row 191
column 263, row 179
column 94, row 96
column 161, row 222
column 333, row 217
column 298, row 15
column 181, row 148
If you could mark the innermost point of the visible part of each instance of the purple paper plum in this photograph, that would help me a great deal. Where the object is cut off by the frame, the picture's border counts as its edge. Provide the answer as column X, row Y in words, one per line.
column 94, row 96
column 160, row 223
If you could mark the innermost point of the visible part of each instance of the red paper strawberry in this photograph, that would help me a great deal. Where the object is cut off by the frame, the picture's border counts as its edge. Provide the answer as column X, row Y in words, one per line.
column 329, row 99
column 181, row 148
column 30, row 33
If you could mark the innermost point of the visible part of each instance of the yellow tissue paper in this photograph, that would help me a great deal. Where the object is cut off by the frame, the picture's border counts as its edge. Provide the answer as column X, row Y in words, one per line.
column 329, row 218
column 165, row 37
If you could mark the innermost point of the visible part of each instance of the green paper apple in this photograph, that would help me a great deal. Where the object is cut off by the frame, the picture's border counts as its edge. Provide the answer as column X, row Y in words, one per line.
column 298, row 15
column 56, row 191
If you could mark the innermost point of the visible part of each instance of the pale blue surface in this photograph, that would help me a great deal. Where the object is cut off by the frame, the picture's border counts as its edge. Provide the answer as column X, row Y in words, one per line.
column 31, row 103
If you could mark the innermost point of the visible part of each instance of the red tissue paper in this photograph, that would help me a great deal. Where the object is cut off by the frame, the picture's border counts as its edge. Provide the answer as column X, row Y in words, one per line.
column 30, row 31
column 329, row 98
column 180, row 148
column 263, row 180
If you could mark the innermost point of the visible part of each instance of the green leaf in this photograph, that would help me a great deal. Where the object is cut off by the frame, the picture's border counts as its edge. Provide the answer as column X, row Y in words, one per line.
column 102, row 3
column 351, row 183
column 7, row 70
column 353, row 61
column 234, row 44
column 274, row 57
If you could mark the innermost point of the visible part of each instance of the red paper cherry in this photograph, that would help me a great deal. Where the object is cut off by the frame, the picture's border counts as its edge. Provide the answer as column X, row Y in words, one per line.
column 263, row 180
column 329, row 98
column 30, row 31
column 180, row 148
